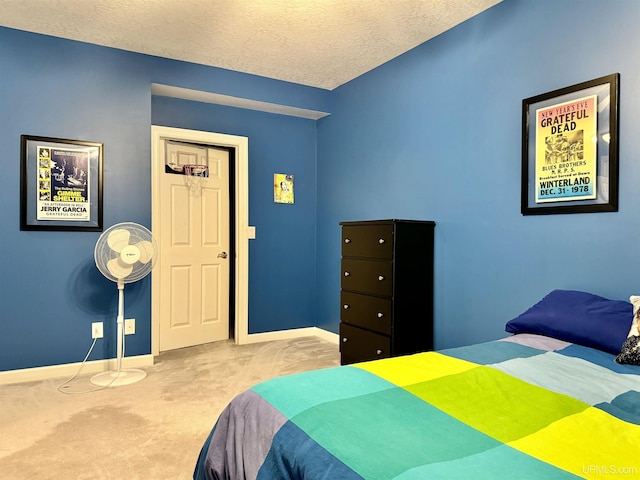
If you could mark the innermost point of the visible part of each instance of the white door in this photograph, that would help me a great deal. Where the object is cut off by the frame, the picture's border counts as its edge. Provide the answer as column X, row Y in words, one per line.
column 194, row 246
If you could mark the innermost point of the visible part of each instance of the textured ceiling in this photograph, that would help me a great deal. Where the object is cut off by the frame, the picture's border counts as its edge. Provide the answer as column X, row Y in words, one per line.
column 321, row 43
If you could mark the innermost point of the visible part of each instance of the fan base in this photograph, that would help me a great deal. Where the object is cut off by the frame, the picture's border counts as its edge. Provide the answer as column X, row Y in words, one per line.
column 116, row 379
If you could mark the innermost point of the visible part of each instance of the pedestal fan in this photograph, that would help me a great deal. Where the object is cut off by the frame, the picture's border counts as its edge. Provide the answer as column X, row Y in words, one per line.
column 124, row 253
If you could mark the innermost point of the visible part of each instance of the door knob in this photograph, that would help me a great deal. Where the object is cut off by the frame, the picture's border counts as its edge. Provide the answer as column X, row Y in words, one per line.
column 222, row 255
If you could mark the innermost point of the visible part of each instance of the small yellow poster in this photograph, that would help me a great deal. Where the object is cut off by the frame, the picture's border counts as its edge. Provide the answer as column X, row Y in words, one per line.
column 566, row 161
column 282, row 188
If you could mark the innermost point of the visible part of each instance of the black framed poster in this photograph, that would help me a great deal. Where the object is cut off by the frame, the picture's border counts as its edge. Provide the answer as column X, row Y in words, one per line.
column 570, row 149
column 60, row 184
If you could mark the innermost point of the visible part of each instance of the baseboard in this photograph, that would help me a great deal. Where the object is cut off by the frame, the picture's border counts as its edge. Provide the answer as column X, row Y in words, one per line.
column 69, row 369
column 293, row 333
column 97, row 366
column 327, row 335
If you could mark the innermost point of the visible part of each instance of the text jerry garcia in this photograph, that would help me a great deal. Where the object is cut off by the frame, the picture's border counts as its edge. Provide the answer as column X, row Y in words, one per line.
column 65, row 209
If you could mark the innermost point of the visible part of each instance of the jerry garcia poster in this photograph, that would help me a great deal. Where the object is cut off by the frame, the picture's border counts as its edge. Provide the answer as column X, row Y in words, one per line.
column 63, row 184
column 566, row 162
column 60, row 184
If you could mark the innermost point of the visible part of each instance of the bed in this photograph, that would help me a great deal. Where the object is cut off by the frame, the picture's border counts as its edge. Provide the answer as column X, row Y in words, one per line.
column 549, row 401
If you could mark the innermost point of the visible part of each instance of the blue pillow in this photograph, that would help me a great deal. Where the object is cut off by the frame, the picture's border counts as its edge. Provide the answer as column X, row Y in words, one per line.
column 578, row 317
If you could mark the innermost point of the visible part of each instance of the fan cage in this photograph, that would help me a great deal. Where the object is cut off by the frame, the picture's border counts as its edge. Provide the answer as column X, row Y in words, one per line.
column 103, row 253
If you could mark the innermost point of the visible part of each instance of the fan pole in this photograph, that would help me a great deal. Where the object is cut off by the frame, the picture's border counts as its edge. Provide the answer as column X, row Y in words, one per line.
column 120, row 329
column 119, row 376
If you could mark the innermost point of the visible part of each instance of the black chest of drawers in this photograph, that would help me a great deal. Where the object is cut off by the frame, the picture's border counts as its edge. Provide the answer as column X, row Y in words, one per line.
column 386, row 297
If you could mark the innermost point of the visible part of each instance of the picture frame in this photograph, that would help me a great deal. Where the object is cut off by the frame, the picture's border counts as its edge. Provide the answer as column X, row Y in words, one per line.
column 283, row 188
column 61, row 184
column 570, row 149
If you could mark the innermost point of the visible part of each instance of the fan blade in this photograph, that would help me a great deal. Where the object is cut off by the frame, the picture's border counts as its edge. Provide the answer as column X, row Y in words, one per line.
column 118, row 239
column 118, row 269
column 146, row 251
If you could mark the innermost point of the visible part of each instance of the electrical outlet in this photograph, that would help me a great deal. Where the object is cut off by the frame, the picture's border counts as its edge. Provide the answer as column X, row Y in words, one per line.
column 130, row 326
column 96, row 330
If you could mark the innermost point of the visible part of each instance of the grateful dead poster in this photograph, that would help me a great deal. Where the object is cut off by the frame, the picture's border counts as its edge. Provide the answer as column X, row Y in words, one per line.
column 566, row 151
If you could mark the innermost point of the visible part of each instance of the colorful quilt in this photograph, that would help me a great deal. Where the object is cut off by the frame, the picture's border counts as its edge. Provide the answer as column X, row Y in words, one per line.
column 526, row 407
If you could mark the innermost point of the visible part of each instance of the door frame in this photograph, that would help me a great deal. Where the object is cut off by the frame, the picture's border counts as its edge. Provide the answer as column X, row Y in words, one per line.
column 242, row 231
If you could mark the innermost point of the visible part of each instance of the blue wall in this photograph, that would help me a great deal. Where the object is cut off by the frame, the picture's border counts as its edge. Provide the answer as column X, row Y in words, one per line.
column 434, row 134
column 51, row 290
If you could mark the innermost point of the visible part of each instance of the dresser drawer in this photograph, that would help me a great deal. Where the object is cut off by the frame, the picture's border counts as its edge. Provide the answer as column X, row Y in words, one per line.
column 374, row 241
column 373, row 313
column 367, row 276
column 359, row 345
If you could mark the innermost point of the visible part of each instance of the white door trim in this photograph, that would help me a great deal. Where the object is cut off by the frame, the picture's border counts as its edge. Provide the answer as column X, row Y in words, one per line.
column 242, row 230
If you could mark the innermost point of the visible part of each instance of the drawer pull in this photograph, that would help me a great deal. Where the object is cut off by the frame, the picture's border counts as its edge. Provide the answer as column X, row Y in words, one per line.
column 346, row 306
column 380, row 277
column 346, row 274
column 380, row 314
column 344, row 339
column 381, row 241
column 347, row 240
column 378, row 352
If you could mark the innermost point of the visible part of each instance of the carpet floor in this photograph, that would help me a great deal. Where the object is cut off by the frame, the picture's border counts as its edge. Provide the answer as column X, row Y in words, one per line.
column 152, row 429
